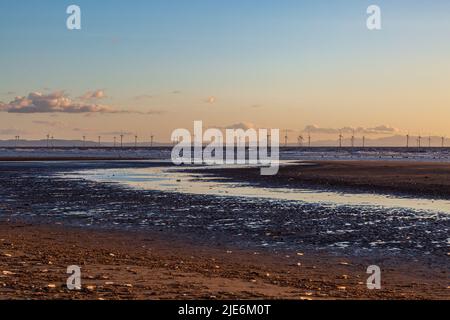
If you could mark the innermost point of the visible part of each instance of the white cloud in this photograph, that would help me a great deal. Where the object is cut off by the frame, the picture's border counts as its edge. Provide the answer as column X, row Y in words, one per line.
column 60, row 102
column 381, row 129
column 240, row 125
column 93, row 95
column 37, row 102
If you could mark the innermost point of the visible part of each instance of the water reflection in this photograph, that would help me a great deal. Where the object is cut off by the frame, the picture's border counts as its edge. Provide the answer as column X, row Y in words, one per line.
column 180, row 181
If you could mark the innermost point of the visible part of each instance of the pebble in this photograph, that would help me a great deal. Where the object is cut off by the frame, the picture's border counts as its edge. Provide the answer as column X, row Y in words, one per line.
column 8, row 273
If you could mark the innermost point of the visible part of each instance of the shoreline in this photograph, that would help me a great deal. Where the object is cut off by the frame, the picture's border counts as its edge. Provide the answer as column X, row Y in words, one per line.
column 128, row 265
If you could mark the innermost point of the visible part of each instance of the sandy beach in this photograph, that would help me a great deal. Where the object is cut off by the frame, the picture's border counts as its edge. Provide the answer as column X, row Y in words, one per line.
column 187, row 247
column 34, row 259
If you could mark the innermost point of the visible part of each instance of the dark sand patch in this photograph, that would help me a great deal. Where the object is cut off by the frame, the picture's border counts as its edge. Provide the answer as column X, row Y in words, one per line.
column 422, row 179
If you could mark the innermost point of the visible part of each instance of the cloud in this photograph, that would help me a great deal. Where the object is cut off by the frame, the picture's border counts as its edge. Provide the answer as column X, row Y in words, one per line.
column 316, row 129
column 93, row 95
column 240, row 125
column 211, row 100
column 382, row 129
column 60, row 102
column 37, row 102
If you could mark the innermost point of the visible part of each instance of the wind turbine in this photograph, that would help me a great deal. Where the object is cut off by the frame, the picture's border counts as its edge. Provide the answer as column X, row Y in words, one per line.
column 135, row 141
column 442, row 142
column 286, row 138
column 309, row 139
column 151, row 140
column 84, row 141
column 340, row 139
column 115, row 140
column 99, row 141
column 353, row 139
column 364, row 141
column 300, row 140
column 407, row 140
column 121, row 140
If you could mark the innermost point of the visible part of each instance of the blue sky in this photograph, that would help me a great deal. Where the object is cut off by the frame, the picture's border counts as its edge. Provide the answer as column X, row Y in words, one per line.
column 284, row 55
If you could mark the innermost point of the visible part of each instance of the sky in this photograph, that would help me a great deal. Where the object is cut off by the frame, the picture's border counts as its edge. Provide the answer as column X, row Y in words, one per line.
column 147, row 67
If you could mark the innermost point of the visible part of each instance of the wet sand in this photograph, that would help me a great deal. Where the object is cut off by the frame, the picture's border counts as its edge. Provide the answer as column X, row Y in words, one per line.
column 422, row 179
column 117, row 265
column 189, row 250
